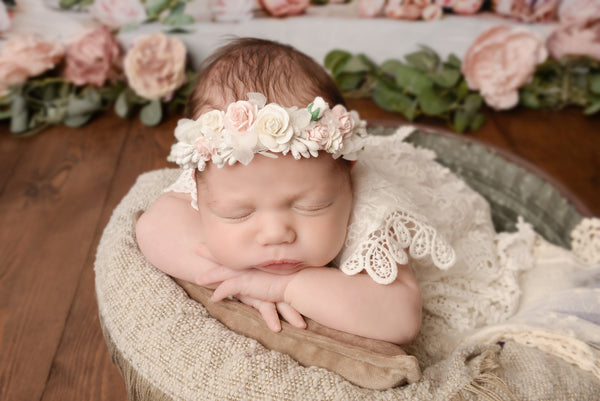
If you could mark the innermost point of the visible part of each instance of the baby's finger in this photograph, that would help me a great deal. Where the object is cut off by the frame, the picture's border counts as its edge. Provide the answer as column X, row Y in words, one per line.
column 291, row 315
column 268, row 310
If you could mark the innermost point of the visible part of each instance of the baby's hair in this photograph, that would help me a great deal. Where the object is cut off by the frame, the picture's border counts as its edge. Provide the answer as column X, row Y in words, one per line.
column 280, row 72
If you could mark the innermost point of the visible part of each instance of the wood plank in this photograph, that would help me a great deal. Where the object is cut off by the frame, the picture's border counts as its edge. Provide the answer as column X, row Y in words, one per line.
column 82, row 369
column 565, row 144
column 49, row 209
column 11, row 149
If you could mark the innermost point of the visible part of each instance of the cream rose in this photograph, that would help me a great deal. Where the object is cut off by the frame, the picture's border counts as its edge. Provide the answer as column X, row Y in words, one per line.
column 282, row 8
column 93, row 59
column 188, row 131
column 370, row 8
column 500, row 61
column 118, row 13
column 212, row 122
column 155, row 65
column 273, row 127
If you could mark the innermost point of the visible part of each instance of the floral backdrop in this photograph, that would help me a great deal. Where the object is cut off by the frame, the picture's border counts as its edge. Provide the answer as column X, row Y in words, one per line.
column 44, row 82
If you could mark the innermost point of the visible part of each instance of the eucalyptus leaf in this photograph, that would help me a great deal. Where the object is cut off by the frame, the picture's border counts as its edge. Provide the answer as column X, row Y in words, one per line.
column 66, row 4
column 593, row 108
column 408, row 78
column 461, row 121
column 358, row 63
column 151, row 114
column 20, row 115
column 477, row 122
column 89, row 102
column 335, row 61
column 122, row 105
column 595, row 83
column 77, row 120
column 453, row 61
column 446, row 77
column 349, row 81
column 423, row 60
column 394, row 100
column 433, row 103
column 178, row 20
column 155, row 7
column 473, row 103
column 529, row 99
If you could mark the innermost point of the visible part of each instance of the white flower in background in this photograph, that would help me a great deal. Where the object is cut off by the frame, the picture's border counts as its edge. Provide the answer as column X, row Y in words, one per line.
column 4, row 18
column 118, row 13
column 231, row 10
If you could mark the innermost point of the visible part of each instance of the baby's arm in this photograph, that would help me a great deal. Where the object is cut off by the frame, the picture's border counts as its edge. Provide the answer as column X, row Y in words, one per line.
column 353, row 304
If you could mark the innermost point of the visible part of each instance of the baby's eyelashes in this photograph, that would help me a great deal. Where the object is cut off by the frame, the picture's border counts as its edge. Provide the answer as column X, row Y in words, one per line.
column 236, row 215
column 311, row 209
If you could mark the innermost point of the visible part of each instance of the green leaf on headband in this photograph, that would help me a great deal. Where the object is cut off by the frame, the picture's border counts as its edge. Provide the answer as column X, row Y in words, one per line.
column 151, row 114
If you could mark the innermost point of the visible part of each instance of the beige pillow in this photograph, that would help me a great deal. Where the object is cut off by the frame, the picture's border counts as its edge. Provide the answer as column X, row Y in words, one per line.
column 365, row 362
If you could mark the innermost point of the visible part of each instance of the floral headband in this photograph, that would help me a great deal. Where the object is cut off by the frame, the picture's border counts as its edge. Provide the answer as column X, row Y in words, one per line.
column 251, row 126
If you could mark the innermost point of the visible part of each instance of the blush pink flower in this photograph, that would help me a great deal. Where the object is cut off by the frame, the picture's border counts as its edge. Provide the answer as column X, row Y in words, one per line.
column 4, row 18
column 282, row 8
column 370, row 8
column 155, row 65
column 403, row 9
column 432, row 12
column 576, row 39
column 528, row 10
column 27, row 55
column 344, row 119
column 205, row 148
column 571, row 11
column 240, row 116
column 118, row 13
column 466, row 7
column 500, row 61
column 93, row 59
column 445, row 3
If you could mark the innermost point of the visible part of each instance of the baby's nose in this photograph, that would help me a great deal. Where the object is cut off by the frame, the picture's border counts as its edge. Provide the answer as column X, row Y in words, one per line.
column 275, row 230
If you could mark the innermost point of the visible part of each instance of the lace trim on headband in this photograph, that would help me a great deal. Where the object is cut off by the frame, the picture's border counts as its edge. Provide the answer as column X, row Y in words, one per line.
column 186, row 183
column 385, row 247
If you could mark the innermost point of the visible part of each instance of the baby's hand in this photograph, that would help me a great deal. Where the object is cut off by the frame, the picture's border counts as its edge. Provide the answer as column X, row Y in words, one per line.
column 263, row 291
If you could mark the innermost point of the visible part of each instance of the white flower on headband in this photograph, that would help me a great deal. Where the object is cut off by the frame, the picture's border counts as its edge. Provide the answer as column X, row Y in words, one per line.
column 251, row 126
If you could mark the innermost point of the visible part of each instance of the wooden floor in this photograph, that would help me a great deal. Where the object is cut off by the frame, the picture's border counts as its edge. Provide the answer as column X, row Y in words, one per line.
column 57, row 192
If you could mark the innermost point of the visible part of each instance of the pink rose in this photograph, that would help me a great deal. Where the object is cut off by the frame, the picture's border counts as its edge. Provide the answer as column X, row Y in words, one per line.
column 370, row 8
column 467, row 7
column 24, row 56
column 420, row 3
column 500, row 61
column 4, row 18
column 432, row 12
column 93, row 59
column 231, row 10
column 282, row 8
column 205, row 148
column 403, row 9
column 578, row 39
column 155, row 65
column 319, row 133
column 445, row 3
column 571, row 11
column 528, row 10
column 344, row 119
column 118, row 13
column 240, row 116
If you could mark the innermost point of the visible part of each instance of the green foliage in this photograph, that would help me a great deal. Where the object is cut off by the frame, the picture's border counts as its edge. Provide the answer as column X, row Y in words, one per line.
column 49, row 100
column 421, row 84
column 424, row 84
column 570, row 81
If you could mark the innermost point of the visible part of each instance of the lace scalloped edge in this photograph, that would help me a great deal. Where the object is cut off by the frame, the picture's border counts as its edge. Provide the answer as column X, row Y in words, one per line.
column 386, row 247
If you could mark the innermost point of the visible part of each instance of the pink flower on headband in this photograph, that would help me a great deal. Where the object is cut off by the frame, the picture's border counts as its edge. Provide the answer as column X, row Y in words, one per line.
column 345, row 120
column 205, row 148
column 240, row 116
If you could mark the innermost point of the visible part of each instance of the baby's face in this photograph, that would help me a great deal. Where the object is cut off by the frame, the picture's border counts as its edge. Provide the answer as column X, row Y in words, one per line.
column 277, row 215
